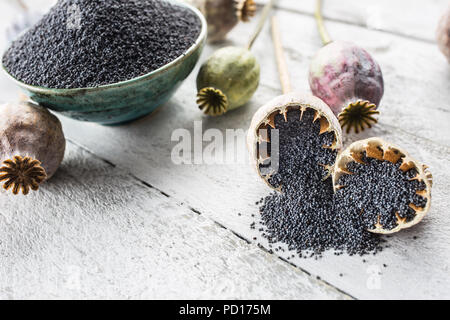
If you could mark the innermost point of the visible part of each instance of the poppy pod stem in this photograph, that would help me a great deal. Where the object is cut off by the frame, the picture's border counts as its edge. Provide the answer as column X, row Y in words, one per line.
column 22, row 5
column 281, row 60
column 324, row 35
column 267, row 8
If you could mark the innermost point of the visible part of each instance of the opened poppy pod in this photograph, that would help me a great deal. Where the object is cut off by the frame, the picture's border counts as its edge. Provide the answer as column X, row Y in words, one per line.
column 303, row 116
column 391, row 190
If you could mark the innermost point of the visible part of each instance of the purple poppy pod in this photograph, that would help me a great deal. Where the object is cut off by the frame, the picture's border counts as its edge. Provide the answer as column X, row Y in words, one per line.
column 350, row 81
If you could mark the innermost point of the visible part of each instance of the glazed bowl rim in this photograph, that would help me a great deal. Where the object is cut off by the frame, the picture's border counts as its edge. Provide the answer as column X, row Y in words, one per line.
column 198, row 43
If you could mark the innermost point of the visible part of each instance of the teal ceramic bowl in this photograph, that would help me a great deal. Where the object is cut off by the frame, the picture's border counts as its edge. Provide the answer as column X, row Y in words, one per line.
column 123, row 101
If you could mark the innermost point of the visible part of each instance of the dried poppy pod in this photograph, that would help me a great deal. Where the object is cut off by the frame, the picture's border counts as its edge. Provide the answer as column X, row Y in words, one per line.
column 347, row 78
column 230, row 76
column 289, row 113
column 245, row 9
column 391, row 190
column 31, row 148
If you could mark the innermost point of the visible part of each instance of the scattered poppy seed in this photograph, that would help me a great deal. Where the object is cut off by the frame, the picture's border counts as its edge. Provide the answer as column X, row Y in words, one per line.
column 111, row 41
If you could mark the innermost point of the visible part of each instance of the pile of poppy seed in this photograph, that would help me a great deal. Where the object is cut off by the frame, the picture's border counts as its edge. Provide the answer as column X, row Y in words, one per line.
column 306, row 216
column 85, row 43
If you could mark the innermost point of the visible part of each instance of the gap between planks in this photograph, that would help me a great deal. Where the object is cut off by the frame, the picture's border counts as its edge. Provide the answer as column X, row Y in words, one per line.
column 236, row 234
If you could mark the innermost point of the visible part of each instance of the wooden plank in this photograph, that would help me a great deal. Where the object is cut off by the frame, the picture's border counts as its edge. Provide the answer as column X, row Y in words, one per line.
column 95, row 232
column 415, row 116
column 415, row 19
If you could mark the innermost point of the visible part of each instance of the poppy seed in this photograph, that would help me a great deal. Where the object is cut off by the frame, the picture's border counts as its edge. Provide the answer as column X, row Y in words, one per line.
column 380, row 191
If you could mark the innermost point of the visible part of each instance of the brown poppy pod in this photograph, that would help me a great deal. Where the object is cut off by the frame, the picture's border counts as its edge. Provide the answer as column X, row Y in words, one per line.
column 32, row 146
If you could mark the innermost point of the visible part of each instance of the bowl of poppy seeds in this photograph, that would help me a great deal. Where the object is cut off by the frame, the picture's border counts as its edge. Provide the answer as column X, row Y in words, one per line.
column 107, row 61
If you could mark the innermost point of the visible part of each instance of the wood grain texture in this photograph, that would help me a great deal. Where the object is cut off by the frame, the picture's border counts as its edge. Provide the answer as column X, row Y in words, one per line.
column 411, row 18
column 415, row 115
column 95, row 232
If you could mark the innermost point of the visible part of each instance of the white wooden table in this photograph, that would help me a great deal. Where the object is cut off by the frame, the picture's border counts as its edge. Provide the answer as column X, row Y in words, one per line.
column 121, row 220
